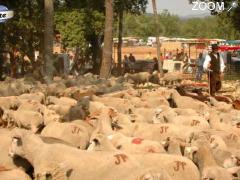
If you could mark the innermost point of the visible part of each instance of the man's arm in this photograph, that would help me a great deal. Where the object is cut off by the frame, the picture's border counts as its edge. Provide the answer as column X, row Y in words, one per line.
column 206, row 62
column 222, row 65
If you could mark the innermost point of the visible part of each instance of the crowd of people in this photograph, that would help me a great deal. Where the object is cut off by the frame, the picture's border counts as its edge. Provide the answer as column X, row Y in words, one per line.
column 16, row 66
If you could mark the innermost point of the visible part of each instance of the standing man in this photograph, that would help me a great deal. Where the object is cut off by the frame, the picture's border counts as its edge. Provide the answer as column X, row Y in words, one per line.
column 132, row 58
column 132, row 61
column 199, row 64
column 214, row 64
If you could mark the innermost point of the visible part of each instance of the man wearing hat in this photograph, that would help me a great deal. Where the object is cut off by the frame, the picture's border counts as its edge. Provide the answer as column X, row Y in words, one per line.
column 214, row 64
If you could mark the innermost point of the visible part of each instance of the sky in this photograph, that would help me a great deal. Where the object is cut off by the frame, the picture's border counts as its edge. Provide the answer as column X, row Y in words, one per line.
column 177, row 7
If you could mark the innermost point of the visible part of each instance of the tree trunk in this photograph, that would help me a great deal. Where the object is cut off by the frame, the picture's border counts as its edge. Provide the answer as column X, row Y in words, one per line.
column 120, row 35
column 48, row 38
column 157, row 36
column 108, row 41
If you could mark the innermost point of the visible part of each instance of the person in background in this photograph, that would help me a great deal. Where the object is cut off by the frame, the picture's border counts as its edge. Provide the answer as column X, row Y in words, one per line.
column 215, row 66
column 199, row 64
column 149, row 56
column 132, row 58
column 125, row 60
column 167, row 56
column 170, row 55
column 71, row 63
column 126, row 63
column 155, row 67
column 186, row 63
column 161, row 57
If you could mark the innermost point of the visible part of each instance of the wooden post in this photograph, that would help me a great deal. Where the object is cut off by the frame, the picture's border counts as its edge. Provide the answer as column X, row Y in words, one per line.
column 157, row 37
column 106, row 65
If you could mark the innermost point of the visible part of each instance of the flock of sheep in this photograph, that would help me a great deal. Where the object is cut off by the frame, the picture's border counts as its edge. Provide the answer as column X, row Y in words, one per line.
column 87, row 128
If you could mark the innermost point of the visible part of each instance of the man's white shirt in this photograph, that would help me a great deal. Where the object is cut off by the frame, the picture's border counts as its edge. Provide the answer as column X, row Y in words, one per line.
column 208, row 60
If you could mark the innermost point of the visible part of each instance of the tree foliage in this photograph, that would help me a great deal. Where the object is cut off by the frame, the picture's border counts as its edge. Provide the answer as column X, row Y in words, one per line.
column 230, row 17
column 174, row 26
column 23, row 32
column 76, row 25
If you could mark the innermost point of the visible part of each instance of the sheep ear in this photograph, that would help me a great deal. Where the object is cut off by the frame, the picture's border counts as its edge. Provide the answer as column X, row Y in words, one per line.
column 164, row 143
column 188, row 149
column 194, row 148
column 191, row 149
column 159, row 110
column 91, row 146
column 17, row 140
column 213, row 145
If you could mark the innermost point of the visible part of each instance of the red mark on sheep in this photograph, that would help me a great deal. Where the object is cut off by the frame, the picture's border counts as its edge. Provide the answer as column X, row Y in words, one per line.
column 120, row 158
column 137, row 141
column 232, row 137
column 212, row 139
column 195, row 123
column 151, row 150
column 75, row 130
column 179, row 165
column 2, row 168
column 163, row 129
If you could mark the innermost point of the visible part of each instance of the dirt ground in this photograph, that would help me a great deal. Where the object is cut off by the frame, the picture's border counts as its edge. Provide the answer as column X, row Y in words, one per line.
column 140, row 52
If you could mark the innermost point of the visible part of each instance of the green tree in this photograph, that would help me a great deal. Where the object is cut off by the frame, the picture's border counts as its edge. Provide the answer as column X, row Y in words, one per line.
column 70, row 24
column 25, row 30
column 160, row 68
column 135, row 7
column 232, row 17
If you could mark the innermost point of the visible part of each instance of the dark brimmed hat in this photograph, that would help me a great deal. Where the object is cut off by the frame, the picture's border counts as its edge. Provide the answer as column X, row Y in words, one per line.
column 214, row 47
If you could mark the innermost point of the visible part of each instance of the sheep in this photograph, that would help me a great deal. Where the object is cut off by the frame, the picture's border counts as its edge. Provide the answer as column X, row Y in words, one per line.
column 62, row 110
column 73, row 164
column 232, row 164
column 10, row 102
column 50, row 116
column 89, row 127
column 38, row 97
column 215, row 122
column 149, row 115
column 138, row 78
column 121, row 105
column 201, row 155
column 5, row 160
column 175, row 146
column 186, row 112
column 220, row 106
column 185, row 102
column 26, row 119
column 171, row 79
column 31, row 105
column 194, row 121
column 127, row 144
column 72, row 133
column 61, row 101
column 13, row 174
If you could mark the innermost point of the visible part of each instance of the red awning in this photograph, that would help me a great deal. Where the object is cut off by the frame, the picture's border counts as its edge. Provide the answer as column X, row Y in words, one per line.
column 229, row 48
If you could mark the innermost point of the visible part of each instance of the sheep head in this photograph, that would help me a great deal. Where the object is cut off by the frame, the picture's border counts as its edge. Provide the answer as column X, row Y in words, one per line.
column 190, row 152
column 16, row 147
column 100, row 142
column 158, row 118
column 24, row 142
